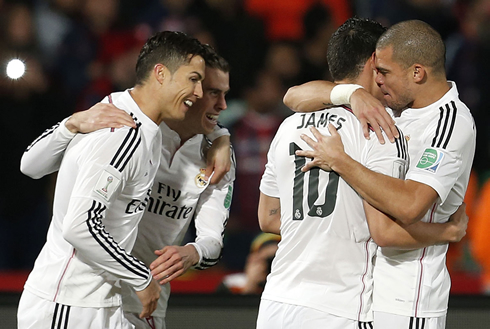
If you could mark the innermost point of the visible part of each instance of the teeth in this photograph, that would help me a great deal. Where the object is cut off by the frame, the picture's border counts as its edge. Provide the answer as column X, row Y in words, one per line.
column 188, row 103
column 212, row 116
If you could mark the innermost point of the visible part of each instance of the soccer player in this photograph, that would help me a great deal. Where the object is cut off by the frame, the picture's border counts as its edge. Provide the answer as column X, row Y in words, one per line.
column 103, row 187
column 412, row 287
column 179, row 191
column 322, row 272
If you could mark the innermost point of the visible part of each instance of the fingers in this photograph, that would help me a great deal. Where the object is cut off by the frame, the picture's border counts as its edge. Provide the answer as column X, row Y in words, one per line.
column 365, row 128
column 217, row 175
column 147, row 311
column 379, row 134
column 308, row 166
column 209, row 171
column 149, row 298
column 168, row 266
column 331, row 129
column 308, row 141
column 173, row 273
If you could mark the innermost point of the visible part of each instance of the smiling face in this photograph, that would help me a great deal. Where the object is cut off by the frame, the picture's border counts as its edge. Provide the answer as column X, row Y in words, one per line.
column 183, row 88
column 203, row 116
column 393, row 80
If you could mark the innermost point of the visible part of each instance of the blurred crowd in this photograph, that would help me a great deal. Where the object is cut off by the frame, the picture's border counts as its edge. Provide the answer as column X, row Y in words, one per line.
column 78, row 51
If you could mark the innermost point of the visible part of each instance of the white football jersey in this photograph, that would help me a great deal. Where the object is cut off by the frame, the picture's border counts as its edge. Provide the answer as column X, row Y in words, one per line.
column 325, row 255
column 442, row 140
column 103, row 185
column 180, row 193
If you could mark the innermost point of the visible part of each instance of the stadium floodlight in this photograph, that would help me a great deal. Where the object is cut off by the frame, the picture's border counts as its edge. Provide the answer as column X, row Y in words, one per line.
column 15, row 68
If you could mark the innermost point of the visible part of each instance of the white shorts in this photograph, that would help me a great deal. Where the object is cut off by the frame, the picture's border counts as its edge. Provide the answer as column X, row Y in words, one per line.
column 38, row 313
column 276, row 315
column 384, row 320
column 152, row 322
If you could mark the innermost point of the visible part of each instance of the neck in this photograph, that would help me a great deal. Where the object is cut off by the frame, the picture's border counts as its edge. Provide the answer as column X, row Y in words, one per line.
column 181, row 129
column 429, row 93
column 364, row 79
column 143, row 97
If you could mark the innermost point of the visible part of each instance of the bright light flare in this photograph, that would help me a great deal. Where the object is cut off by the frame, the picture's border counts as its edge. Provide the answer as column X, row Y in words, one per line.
column 15, row 69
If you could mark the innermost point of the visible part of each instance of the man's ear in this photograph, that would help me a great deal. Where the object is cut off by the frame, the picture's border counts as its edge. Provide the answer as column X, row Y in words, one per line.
column 419, row 72
column 160, row 72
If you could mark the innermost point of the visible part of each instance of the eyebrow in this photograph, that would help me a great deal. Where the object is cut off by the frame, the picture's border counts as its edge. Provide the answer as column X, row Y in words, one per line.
column 219, row 90
column 199, row 74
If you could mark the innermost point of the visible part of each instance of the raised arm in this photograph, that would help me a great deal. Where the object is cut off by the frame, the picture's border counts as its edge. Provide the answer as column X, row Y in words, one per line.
column 370, row 112
column 310, row 96
column 44, row 154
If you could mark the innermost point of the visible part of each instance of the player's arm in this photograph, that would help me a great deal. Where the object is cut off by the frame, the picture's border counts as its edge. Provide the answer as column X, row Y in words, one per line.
column 405, row 200
column 269, row 210
column 218, row 157
column 269, row 214
column 211, row 216
column 84, row 225
column 45, row 153
column 387, row 232
column 316, row 95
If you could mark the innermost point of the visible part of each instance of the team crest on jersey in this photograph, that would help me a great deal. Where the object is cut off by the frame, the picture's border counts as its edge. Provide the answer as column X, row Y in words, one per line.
column 106, row 185
column 200, row 181
column 430, row 160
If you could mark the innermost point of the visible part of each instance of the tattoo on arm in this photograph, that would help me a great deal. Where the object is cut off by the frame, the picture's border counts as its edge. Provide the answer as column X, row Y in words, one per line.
column 273, row 211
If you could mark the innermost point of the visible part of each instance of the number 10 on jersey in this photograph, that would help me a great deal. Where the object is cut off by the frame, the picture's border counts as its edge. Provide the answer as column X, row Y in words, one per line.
column 312, row 194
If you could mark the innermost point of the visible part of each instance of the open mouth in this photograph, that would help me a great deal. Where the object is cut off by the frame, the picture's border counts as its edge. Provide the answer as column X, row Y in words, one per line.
column 212, row 117
column 188, row 102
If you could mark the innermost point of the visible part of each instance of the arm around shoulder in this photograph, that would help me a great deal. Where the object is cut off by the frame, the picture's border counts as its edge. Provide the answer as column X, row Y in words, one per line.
column 310, row 96
column 44, row 154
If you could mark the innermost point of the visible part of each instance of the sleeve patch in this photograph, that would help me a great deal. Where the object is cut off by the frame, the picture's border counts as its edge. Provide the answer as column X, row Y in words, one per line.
column 107, row 185
column 227, row 203
column 430, row 160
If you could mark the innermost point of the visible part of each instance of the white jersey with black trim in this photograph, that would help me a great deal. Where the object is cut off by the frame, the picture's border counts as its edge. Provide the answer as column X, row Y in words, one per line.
column 179, row 193
column 442, row 139
column 103, row 186
column 325, row 255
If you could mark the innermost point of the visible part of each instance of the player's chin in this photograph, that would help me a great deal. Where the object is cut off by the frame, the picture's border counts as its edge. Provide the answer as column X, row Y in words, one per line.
column 180, row 113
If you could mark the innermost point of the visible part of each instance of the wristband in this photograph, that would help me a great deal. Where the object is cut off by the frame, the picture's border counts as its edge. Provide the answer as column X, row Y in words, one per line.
column 342, row 93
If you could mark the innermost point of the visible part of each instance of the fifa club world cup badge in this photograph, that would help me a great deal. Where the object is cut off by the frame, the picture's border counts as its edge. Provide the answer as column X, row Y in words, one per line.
column 200, row 181
column 106, row 185
column 109, row 181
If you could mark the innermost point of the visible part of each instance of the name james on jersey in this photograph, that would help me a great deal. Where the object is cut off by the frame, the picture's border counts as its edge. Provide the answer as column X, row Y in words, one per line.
column 323, row 120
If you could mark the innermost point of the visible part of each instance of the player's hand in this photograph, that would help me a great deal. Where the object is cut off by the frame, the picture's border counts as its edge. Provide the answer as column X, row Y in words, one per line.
column 218, row 159
column 172, row 262
column 149, row 298
column 369, row 110
column 324, row 150
column 101, row 115
column 459, row 221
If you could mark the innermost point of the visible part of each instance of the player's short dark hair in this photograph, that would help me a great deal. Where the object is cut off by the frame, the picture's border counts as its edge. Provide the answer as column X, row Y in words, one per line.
column 413, row 42
column 351, row 46
column 215, row 61
column 172, row 49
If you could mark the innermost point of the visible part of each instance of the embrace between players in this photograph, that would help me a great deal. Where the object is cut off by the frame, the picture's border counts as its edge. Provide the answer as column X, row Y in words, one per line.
column 363, row 238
